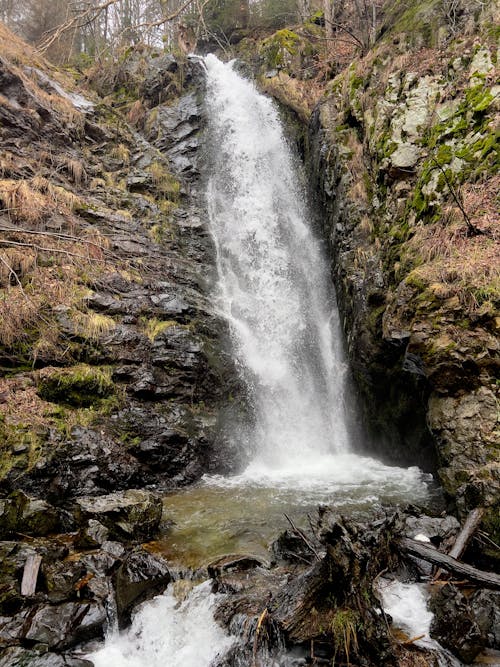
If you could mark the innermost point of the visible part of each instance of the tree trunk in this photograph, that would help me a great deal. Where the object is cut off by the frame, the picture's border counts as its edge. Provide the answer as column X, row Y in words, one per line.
column 414, row 548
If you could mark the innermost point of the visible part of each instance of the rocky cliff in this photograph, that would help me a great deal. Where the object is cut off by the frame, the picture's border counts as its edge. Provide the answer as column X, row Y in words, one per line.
column 112, row 359
column 107, row 338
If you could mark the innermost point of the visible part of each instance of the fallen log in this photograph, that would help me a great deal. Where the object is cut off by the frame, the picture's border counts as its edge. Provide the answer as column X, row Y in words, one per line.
column 464, row 536
column 431, row 555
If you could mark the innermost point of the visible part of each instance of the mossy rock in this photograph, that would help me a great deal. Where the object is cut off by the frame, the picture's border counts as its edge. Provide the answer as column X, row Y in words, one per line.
column 79, row 386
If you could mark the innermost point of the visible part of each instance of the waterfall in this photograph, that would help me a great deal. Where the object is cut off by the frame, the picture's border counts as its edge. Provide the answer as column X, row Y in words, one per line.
column 167, row 632
column 274, row 292
column 273, row 285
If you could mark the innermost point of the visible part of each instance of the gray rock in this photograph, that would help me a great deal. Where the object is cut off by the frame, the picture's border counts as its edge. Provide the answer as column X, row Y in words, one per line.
column 454, row 624
column 92, row 535
column 140, row 576
column 128, row 514
column 20, row 657
column 405, row 156
column 64, row 625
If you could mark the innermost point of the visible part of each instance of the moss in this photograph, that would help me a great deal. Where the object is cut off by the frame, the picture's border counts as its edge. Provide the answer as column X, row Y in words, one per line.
column 414, row 279
column 279, row 47
column 154, row 327
column 79, row 386
column 20, row 446
column 478, row 98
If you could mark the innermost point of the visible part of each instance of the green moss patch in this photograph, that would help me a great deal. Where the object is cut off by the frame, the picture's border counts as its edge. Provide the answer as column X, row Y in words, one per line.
column 78, row 386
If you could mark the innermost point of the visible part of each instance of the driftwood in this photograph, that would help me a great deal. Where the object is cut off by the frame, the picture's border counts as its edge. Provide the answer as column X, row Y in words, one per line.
column 464, row 536
column 30, row 574
column 431, row 555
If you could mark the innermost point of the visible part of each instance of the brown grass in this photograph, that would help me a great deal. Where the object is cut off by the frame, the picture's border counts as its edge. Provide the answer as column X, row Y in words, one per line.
column 455, row 264
column 33, row 200
column 137, row 114
column 301, row 96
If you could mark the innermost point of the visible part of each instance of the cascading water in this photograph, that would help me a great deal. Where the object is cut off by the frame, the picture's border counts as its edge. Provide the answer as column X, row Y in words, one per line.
column 272, row 280
column 274, row 292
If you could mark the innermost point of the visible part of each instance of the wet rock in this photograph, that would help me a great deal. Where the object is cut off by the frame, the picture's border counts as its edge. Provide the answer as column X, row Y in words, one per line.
column 130, row 514
column 155, row 85
column 19, row 657
column 61, row 578
column 485, row 607
column 58, row 626
column 87, row 463
column 439, row 530
column 139, row 577
column 24, row 514
column 234, row 563
column 454, row 624
column 92, row 535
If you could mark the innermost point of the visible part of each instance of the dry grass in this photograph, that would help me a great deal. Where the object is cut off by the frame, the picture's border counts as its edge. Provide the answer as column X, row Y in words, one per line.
column 18, row 52
column 76, row 171
column 33, row 200
column 301, row 96
column 93, row 326
column 122, row 153
column 137, row 114
column 454, row 264
column 164, row 181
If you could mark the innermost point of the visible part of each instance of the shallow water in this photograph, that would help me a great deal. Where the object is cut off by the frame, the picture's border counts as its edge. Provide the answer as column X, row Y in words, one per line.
column 245, row 513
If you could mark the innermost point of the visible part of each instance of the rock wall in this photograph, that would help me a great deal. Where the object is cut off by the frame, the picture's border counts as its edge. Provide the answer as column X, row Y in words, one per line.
column 402, row 153
column 115, row 373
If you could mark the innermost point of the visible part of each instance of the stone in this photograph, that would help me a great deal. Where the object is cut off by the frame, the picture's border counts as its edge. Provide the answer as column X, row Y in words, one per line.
column 131, row 514
column 92, row 535
column 141, row 575
column 20, row 513
column 19, row 657
column 405, row 156
column 64, row 625
column 454, row 625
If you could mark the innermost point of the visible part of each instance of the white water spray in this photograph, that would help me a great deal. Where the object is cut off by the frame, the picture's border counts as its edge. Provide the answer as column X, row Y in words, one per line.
column 273, row 286
column 274, row 291
column 169, row 633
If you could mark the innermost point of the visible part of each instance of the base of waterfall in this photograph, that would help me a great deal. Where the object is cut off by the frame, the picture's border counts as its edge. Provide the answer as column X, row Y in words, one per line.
column 328, row 475
column 337, row 592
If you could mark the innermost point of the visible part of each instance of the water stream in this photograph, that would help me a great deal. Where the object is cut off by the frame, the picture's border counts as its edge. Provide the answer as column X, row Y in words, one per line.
column 273, row 290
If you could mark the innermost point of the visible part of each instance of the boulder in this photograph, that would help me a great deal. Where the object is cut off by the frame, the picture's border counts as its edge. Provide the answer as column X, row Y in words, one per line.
column 57, row 626
column 16, row 656
column 454, row 625
column 131, row 514
column 20, row 513
column 141, row 575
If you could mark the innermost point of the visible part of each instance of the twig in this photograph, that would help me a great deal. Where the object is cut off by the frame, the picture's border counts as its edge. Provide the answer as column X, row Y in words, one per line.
column 301, row 534
column 58, row 235
column 473, row 230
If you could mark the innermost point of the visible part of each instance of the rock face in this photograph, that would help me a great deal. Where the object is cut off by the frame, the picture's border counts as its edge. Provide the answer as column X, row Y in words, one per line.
column 116, row 362
column 128, row 353
column 399, row 135
column 130, row 514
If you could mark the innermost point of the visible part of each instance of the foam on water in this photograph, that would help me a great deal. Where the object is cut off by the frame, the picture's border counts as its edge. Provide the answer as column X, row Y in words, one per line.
column 168, row 633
